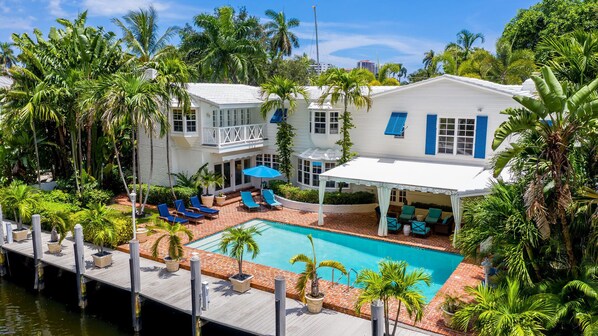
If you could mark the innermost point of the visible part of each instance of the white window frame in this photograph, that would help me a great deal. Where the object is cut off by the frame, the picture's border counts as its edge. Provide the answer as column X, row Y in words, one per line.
column 456, row 138
column 327, row 122
column 185, row 121
column 309, row 171
column 398, row 197
column 331, row 115
column 267, row 159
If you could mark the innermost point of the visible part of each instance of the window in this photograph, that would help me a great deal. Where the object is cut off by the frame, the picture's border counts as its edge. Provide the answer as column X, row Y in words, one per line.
column 333, row 122
column 191, row 121
column 320, row 122
column 399, row 196
column 177, row 120
column 269, row 160
column 459, row 132
column 308, row 172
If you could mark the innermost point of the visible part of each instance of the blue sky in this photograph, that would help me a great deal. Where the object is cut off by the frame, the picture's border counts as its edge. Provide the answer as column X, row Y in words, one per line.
column 349, row 30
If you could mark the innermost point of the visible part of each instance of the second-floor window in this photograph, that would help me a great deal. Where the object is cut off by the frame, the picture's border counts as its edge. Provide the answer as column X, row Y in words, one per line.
column 184, row 122
column 399, row 196
column 270, row 160
column 230, row 117
column 323, row 122
column 456, row 136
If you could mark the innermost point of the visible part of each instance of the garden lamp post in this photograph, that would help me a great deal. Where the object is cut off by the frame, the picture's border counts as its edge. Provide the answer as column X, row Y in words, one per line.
column 487, row 264
column 133, row 196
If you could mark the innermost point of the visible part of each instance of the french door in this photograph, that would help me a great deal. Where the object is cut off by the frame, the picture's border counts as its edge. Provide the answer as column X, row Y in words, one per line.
column 232, row 172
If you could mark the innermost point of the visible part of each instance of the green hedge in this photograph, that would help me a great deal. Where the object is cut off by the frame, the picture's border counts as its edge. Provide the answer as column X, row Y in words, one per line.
column 159, row 194
column 311, row 196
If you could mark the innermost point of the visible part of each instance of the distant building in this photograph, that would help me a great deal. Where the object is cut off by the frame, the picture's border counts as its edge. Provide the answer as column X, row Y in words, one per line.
column 368, row 65
column 319, row 68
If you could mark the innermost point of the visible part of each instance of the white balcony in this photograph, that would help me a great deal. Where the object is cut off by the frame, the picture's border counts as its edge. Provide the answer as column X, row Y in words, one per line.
column 234, row 136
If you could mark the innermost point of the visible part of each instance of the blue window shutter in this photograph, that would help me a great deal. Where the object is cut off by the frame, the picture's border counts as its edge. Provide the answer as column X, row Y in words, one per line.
column 277, row 117
column 481, row 130
column 396, row 124
column 431, row 134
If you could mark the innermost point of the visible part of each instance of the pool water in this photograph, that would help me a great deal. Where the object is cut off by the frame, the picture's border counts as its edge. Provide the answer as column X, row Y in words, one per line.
column 279, row 242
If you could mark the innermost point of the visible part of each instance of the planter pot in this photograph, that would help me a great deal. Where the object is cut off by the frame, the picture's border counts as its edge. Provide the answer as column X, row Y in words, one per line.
column 314, row 305
column 171, row 264
column 406, row 230
column 20, row 235
column 142, row 235
column 54, row 247
column 220, row 200
column 207, row 200
column 102, row 260
column 447, row 318
column 241, row 286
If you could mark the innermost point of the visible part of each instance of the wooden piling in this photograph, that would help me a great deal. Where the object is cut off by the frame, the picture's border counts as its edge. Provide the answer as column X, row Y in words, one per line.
column 135, row 284
column 195, row 294
column 2, row 254
column 280, row 305
column 38, row 254
column 80, row 267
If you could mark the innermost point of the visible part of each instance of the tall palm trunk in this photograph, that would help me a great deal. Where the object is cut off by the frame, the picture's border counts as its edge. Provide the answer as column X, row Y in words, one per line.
column 151, row 172
column 169, row 172
column 39, row 178
column 345, row 141
column 80, row 148
column 120, row 169
column 394, row 329
column 386, row 318
column 76, row 171
column 89, row 144
column 134, row 166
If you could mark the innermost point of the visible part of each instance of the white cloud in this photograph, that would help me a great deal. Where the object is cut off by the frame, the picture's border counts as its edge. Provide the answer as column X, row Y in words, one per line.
column 55, row 8
column 16, row 24
column 119, row 7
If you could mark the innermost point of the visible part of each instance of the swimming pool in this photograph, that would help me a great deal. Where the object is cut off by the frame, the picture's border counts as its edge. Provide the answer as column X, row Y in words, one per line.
column 279, row 242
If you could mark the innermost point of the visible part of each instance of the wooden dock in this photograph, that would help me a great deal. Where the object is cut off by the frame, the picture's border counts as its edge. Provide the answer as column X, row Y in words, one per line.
column 251, row 312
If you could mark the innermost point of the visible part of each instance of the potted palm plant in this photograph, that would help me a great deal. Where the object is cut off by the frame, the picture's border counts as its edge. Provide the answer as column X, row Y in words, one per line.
column 449, row 307
column 314, row 298
column 207, row 179
column 98, row 224
column 220, row 199
column 61, row 224
column 235, row 241
column 22, row 200
column 170, row 232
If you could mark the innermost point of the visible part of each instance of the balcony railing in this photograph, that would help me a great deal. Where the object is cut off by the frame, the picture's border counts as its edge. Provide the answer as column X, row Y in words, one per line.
column 233, row 135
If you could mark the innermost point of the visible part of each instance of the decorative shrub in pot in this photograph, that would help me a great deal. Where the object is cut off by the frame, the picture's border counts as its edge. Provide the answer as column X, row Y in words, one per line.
column 209, row 179
column 449, row 307
column 21, row 200
column 98, row 226
column 61, row 224
column 172, row 234
column 235, row 242
column 220, row 199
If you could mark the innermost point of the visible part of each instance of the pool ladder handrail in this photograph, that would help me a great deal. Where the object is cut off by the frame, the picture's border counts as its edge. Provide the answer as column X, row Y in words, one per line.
column 348, row 277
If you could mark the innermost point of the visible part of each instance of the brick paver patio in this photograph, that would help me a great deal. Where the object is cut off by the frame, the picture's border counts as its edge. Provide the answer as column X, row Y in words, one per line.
column 338, row 297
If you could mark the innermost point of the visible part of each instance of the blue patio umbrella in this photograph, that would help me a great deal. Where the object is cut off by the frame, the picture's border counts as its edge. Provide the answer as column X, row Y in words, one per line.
column 262, row 172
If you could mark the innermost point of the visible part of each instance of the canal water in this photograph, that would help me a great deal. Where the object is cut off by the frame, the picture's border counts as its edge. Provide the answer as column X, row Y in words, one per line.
column 54, row 311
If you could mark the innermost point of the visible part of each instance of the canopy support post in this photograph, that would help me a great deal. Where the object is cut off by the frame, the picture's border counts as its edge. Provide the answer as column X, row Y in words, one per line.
column 457, row 212
column 384, row 203
column 321, row 192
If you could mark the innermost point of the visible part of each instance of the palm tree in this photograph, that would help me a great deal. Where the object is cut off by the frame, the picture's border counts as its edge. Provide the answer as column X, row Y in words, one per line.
column 505, row 311
column 352, row 88
column 140, row 30
column 7, row 55
column 310, row 273
column 391, row 69
column 207, row 179
column 276, row 92
column 282, row 40
column 465, row 42
column 21, row 199
column 511, row 66
column 393, row 283
column 558, row 119
column 573, row 56
column 172, row 233
column 98, row 225
column 238, row 240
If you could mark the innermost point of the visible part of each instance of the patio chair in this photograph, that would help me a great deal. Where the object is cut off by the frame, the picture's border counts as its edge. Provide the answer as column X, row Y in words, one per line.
column 393, row 224
column 434, row 216
column 165, row 215
column 407, row 213
column 179, row 207
column 445, row 227
column 271, row 202
column 420, row 229
column 197, row 206
column 248, row 202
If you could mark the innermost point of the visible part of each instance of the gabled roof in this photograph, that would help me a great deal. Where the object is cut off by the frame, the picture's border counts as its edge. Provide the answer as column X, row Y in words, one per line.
column 315, row 92
column 507, row 90
column 225, row 94
column 5, row 81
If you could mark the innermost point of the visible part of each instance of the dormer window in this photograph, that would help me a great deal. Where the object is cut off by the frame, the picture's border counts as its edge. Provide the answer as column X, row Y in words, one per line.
column 184, row 122
column 324, row 122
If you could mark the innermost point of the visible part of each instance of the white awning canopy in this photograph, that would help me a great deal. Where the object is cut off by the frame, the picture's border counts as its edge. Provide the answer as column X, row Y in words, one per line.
column 319, row 154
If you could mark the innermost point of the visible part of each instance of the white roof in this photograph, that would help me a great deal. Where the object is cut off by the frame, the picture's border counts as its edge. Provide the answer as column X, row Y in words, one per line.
column 5, row 81
column 315, row 92
column 441, row 178
column 225, row 94
column 321, row 154
column 509, row 89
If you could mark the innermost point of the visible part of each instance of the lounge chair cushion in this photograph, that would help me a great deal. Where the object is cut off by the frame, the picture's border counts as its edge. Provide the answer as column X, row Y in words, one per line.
column 180, row 208
column 419, row 228
column 434, row 216
column 248, row 201
column 407, row 212
column 268, row 195
column 164, row 213
column 197, row 205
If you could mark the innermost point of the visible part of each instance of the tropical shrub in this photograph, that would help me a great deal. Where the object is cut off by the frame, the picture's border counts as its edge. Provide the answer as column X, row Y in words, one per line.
column 20, row 201
column 293, row 193
column 238, row 240
column 172, row 234
column 94, row 196
column 98, row 225
column 159, row 194
column 123, row 230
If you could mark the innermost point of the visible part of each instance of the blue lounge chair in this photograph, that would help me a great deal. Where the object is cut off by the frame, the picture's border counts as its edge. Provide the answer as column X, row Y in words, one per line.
column 248, row 202
column 393, row 224
column 420, row 229
column 197, row 206
column 407, row 213
column 268, row 196
column 165, row 215
column 433, row 216
column 179, row 207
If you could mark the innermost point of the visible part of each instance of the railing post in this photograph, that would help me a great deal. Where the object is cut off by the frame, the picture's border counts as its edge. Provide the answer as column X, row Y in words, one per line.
column 2, row 256
column 280, row 305
column 219, row 137
column 38, row 254
column 196, row 293
column 377, row 318
column 245, row 133
column 135, row 284
column 80, row 267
